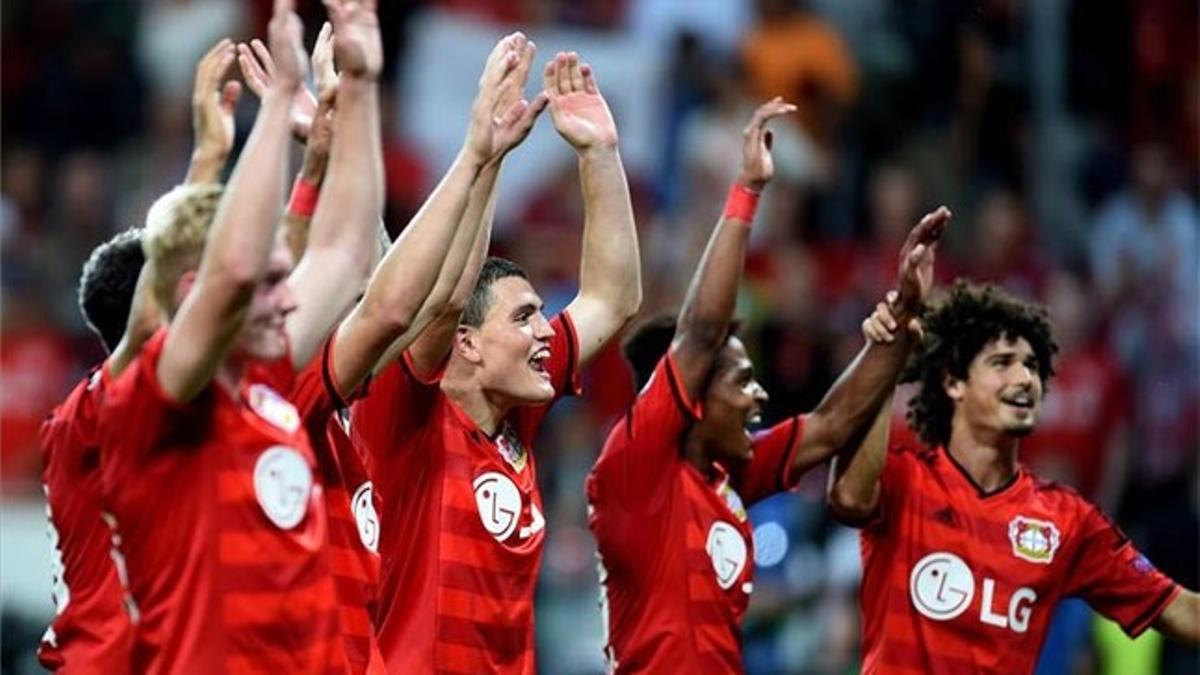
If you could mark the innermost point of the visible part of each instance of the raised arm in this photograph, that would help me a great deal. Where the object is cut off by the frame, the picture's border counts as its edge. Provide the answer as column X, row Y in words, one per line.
column 436, row 326
column 242, row 233
column 610, row 275
column 312, row 122
column 212, row 114
column 844, row 416
column 703, row 322
column 416, row 277
column 343, row 237
column 1180, row 621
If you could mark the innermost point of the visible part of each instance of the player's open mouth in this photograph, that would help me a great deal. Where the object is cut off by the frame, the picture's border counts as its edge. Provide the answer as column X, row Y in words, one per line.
column 1023, row 400
column 753, row 419
column 538, row 361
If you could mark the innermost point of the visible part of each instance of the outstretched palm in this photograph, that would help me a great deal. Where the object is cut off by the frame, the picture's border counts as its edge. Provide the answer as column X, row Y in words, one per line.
column 357, row 45
column 917, row 256
column 579, row 112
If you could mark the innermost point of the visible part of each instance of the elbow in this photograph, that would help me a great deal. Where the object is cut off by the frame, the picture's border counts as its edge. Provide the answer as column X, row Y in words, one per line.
column 848, row 506
column 393, row 318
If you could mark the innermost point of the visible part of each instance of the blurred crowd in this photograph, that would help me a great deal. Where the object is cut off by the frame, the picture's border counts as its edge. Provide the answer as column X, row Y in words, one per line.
column 1064, row 135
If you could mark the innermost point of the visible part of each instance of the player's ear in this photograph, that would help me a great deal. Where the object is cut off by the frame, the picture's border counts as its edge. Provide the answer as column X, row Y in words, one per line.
column 184, row 286
column 466, row 343
column 954, row 387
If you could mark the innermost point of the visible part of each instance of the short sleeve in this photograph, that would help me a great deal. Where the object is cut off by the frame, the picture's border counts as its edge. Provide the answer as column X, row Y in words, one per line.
column 397, row 404
column 1114, row 578
column 563, row 367
column 769, row 472
column 314, row 390
column 138, row 395
column 642, row 450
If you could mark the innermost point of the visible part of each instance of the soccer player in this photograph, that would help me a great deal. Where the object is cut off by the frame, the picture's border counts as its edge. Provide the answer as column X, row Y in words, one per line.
column 965, row 552
column 668, row 495
column 205, row 465
column 450, row 424
column 412, row 285
column 92, row 631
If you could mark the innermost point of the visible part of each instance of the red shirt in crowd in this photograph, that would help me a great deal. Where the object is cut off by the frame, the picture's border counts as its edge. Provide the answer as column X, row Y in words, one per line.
column 958, row 580
column 221, row 520
column 350, row 502
column 676, row 548
column 92, row 631
column 462, row 524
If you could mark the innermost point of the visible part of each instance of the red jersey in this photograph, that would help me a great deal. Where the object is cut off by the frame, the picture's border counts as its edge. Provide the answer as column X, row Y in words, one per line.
column 350, row 503
column 956, row 580
column 92, row 631
column 676, row 549
column 221, row 523
column 462, row 525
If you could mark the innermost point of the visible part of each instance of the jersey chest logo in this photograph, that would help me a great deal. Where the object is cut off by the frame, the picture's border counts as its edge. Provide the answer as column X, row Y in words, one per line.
column 942, row 587
column 1033, row 540
column 512, row 449
column 282, row 484
column 499, row 503
column 727, row 549
column 362, row 504
column 273, row 408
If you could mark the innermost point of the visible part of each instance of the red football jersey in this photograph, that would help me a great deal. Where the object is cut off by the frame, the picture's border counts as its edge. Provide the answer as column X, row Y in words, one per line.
column 92, row 631
column 676, row 548
column 462, row 525
column 957, row 580
column 222, row 527
column 350, row 503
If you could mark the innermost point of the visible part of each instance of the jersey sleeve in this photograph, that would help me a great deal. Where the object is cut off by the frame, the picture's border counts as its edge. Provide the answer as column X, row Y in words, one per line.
column 563, row 367
column 1114, row 578
column 137, row 395
column 642, row 450
column 769, row 472
column 398, row 402
column 314, row 391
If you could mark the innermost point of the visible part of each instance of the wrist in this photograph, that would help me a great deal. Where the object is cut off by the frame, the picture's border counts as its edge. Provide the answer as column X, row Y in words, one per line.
column 303, row 202
column 205, row 165
column 752, row 184
column 742, row 203
column 598, row 151
column 312, row 169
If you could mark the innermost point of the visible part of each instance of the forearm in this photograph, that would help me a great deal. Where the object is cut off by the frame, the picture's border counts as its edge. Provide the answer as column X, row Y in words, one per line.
column 352, row 192
column 144, row 319
column 854, row 476
column 711, row 297
column 244, row 226
column 610, row 268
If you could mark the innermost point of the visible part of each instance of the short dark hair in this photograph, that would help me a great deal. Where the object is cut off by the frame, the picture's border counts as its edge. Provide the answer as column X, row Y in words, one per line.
column 494, row 269
column 106, row 285
column 957, row 328
column 649, row 342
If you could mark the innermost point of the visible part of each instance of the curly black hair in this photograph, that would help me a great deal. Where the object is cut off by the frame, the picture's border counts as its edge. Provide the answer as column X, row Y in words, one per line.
column 649, row 342
column 957, row 327
column 107, row 283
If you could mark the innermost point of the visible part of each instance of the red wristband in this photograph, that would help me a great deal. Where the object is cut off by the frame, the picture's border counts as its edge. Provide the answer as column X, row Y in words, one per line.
column 304, row 198
column 741, row 203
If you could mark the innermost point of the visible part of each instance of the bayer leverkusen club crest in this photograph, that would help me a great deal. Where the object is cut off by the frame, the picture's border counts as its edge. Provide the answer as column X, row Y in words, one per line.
column 511, row 449
column 1033, row 540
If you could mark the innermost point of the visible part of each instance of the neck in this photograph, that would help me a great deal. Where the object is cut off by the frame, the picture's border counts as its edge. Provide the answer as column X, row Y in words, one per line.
column 485, row 411
column 229, row 375
column 989, row 458
column 695, row 450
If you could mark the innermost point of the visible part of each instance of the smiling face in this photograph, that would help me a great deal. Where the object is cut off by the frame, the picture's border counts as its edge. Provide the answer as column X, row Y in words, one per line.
column 733, row 403
column 1002, row 393
column 511, row 347
column 264, row 334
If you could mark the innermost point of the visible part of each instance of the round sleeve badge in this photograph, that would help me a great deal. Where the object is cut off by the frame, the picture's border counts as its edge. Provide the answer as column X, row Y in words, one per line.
column 282, row 484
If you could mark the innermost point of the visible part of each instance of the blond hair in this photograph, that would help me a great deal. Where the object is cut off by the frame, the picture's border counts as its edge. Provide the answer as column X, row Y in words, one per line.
column 177, row 227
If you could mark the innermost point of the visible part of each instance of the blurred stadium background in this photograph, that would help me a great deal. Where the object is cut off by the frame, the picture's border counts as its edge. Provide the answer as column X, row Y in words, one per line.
column 1064, row 134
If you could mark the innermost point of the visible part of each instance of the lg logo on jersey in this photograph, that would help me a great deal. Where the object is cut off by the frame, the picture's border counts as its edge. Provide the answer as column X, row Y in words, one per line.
column 499, row 504
column 942, row 587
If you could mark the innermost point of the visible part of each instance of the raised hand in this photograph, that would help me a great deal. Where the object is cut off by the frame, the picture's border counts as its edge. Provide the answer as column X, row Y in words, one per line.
column 213, row 105
column 258, row 69
column 580, row 113
column 916, row 259
column 285, row 35
column 757, row 166
column 881, row 326
column 322, row 60
column 500, row 117
column 356, row 44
